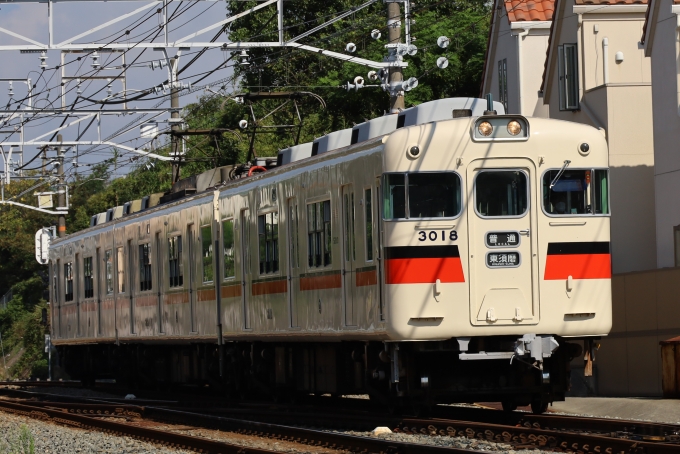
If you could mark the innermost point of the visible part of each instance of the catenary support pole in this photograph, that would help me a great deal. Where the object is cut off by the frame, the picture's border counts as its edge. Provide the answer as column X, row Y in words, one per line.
column 61, row 225
column 395, row 73
column 174, row 104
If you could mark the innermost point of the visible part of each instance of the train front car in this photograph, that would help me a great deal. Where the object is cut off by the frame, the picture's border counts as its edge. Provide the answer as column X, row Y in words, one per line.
column 496, row 252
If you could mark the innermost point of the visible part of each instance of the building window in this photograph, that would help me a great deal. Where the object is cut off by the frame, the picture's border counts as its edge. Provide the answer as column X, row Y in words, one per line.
column 503, row 82
column 175, row 261
column 268, row 238
column 120, row 269
column 145, row 267
column 319, row 234
column 207, row 253
column 68, row 281
column 567, row 67
column 228, row 245
column 108, row 265
column 89, row 280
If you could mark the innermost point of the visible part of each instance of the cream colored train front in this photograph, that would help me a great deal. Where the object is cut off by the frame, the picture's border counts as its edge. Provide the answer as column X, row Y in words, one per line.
column 448, row 261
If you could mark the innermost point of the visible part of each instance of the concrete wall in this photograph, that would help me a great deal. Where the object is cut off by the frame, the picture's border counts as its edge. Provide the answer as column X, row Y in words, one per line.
column 646, row 311
column 666, row 132
column 624, row 109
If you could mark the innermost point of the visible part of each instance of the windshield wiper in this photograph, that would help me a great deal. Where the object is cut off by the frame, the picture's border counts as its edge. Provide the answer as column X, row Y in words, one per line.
column 559, row 174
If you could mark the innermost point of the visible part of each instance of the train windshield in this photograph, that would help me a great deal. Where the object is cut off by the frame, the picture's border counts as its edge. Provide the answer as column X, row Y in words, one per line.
column 501, row 193
column 430, row 195
column 577, row 191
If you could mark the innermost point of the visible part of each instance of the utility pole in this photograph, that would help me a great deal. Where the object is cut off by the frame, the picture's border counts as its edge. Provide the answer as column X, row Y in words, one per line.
column 44, row 160
column 61, row 226
column 395, row 73
column 174, row 104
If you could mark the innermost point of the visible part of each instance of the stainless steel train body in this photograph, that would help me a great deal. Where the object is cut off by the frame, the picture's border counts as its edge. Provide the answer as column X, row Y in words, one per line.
column 420, row 263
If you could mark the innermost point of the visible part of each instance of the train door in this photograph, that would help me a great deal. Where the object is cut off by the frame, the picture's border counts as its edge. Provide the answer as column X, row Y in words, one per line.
column 159, row 268
column 245, row 269
column 378, row 236
column 502, row 246
column 191, row 246
column 131, row 274
column 76, row 292
column 348, row 254
column 293, row 260
column 97, row 271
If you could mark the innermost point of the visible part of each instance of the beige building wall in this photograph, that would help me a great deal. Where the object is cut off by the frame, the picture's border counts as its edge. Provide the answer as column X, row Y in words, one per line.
column 623, row 109
column 661, row 47
column 645, row 312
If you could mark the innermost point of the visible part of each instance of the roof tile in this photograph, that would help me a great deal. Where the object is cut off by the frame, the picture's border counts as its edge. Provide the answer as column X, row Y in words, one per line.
column 531, row 10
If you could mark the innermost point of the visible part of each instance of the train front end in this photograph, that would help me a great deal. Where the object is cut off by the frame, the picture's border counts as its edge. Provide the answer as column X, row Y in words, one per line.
column 497, row 264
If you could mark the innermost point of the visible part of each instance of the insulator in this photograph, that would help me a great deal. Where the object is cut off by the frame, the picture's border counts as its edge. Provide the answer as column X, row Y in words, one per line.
column 95, row 60
column 11, row 91
column 43, row 60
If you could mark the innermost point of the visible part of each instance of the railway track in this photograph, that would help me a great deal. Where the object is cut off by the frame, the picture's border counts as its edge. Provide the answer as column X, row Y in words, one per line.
column 522, row 430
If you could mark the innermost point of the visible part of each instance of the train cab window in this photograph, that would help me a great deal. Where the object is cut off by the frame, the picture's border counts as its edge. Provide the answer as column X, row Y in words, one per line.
column 576, row 192
column 268, row 241
column 433, row 195
column 228, row 245
column 319, row 234
column 394, row 192
column 207, row 253
column 501, row 193
column 89, row 280
column 430, row 195
column 176, row 271
column 68, row 281
column 108, row 265
column 145, row 267
column 120, row 269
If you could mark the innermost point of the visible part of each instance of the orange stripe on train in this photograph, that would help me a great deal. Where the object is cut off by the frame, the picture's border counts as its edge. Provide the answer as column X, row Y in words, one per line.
column 423, row 270
column 578, row 266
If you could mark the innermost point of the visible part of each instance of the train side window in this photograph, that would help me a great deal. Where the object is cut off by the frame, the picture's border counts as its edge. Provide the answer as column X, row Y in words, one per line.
column 228, row 246
column 207, row 253
column 433, row 195
column 120, row 269
column 319, row 234
column 68, row 281
column 268, row 240
column 89, row 279
column 394, row 192
column 176, row 271
column 501, row 193
column 368, row 204
column 145, row 267
column 108, row 265
column 576, row 192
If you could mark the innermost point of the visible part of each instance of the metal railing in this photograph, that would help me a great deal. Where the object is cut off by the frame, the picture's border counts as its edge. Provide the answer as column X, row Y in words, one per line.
column 6, row 298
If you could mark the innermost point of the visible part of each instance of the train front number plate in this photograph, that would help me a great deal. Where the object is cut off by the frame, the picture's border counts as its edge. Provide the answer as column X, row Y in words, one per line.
column 502, row 259
column 437, row 235
column 502, row 239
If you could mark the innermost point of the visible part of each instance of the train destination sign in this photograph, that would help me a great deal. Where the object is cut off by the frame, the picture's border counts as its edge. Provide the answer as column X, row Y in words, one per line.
column 502, row 239
column 502, row 259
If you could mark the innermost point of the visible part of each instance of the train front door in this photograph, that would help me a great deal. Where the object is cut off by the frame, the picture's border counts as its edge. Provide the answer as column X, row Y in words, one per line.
column 502, row 242
column 293, row 261
column 348, row 254
column 245, row 270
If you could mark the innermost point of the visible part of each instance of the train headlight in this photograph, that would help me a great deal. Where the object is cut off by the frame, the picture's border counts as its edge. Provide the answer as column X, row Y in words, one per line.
column 485, row 128
column 514, row 127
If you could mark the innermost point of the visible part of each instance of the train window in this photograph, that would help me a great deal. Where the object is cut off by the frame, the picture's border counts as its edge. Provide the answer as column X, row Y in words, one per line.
column 368, row 203
column 207, row 253
column 394, row 192
column 501, row 193
column 88, row 279
column 268, row 239
column 108, row 265
column 576, row 191
column 145, row 267
column 120, row 269
column 68, row 281
column 319, row 234
column 228, row 245
column 175, row 261
column 433, row 195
